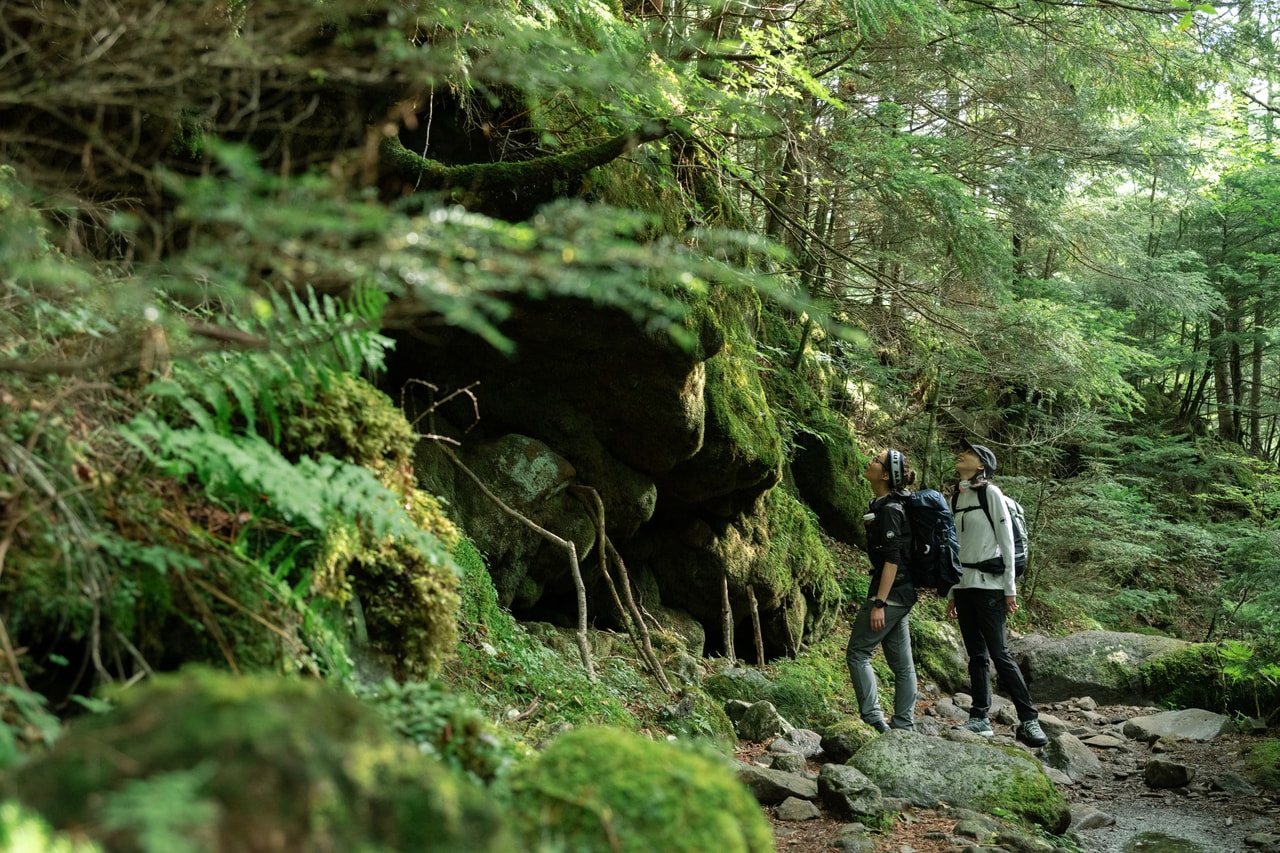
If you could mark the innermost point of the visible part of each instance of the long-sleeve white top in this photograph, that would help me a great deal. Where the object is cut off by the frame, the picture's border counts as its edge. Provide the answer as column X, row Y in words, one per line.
column 979, row 541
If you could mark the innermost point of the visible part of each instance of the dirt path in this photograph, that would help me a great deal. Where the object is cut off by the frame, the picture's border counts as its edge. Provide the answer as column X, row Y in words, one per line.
column 1203, row 813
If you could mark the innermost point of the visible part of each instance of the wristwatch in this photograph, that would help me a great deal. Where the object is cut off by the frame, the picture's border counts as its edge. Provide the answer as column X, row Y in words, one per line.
column 877, row 603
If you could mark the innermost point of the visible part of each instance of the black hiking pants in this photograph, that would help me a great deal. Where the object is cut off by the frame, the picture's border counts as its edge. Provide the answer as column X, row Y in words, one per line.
column 981, row 615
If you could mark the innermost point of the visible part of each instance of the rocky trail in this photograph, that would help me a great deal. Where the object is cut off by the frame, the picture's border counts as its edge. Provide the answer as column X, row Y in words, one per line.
column 1130, row 790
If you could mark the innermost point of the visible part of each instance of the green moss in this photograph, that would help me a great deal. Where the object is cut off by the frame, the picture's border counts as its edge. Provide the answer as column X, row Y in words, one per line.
column 1263, row 764
column 409, row 603
column 351, row 420
column 737, row 406
column 743, row 684
column 24, row 831
column 699, row 716
column 604, row 789
column 210, row 757
column 480, row 612
column 812, row 690
column 1031, row 795
column 798, row 562
column 937, row 646
column 1189, row 678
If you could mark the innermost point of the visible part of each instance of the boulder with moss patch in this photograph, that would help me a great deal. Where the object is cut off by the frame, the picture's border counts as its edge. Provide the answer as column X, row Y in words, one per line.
column 1106, row 665
column 223, row 762
column 608, row 789
column 929, row 770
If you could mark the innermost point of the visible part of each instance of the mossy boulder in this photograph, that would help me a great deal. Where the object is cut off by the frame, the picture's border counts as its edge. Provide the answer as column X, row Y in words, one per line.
column 1262, row 761
column 222, row 762
column 937, row 647
column 697, row 715
column 773, row 554
column 351, row 420
column 842, row 739
column 928, row 770
column 1187, row 677
column 608, row 789
column 1107, row 665
column 408, row 600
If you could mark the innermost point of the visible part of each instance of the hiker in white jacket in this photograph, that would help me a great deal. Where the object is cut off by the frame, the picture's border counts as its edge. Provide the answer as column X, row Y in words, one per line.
column 986, row 594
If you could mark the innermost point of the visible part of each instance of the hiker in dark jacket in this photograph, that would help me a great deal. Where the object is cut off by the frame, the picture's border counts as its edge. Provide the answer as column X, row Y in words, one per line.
column 987, row 592
column 882, row 618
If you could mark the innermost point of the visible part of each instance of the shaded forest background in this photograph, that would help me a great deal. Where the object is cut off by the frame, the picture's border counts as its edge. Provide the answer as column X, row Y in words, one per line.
column 1053, row 227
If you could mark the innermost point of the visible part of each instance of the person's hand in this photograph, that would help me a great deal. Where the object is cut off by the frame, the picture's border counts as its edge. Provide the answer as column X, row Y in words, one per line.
column 1011, row 604
column 951, row 609
column 877, row 618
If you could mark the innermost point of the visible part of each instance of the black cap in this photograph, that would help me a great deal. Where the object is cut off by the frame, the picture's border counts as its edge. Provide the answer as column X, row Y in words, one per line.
column 984, row 454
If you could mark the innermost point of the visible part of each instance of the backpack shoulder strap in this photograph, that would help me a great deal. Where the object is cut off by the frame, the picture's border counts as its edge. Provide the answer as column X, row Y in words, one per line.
column 986, row 507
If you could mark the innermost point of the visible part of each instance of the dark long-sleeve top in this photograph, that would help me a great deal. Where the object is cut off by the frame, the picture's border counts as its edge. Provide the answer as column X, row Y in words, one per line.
column 889, row 541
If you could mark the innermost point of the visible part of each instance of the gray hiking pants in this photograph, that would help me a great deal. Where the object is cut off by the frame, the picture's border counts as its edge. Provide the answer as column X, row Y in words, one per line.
column 896, row 638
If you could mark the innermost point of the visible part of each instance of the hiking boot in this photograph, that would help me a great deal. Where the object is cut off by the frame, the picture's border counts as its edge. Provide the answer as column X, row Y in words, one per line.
column 977, row 725
column 1030, row 733
column 880, row 727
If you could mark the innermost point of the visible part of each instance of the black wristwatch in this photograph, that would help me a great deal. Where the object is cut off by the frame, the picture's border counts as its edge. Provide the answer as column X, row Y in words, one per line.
column 876, row 602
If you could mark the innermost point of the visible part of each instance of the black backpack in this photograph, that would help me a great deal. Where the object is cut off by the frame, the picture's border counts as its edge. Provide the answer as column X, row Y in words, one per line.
column 935, row 550
column 1018, row 519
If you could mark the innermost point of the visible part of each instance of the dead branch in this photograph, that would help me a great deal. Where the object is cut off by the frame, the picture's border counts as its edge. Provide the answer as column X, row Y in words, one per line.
column 755, row 623
column 727, row 613
column 568, row 546
column 643, row 628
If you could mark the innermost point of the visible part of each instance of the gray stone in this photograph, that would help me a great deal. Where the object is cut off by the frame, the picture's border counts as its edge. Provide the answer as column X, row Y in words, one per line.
column 788, row 762
column 1167, row 743
column 852, row 839
column 1191, row 723
column 948, row 710
column 1162, row 773
column 800, row 741
column 1086, row 817
column 734, row 709
column 770, row 787
column 761, row 723
column 929, row 770
column 1052, row 725
column 1232, row 783
column 977, row 830
column 1072, row 757
column 1105, row 742
column 1058, row 777
column 1104, row 665
column 794, row 810
column 1018, row 842
column 847, row 792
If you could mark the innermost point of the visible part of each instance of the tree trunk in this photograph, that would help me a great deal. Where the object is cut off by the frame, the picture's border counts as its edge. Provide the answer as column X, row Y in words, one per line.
column 1255, row 380
column 1220, row 350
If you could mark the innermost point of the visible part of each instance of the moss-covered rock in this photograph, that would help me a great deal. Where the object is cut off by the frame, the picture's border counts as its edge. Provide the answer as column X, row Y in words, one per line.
column 219, row 763
column 408, row 603
column 1262, row 762
column 743, row 683
column 349, row 419
column 605, row 789
column 937, row 647
column 1187, row 677
column 927, row 770
column 698, row 715
column 826, row 464
column 1106, row 665
column 842, row 739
